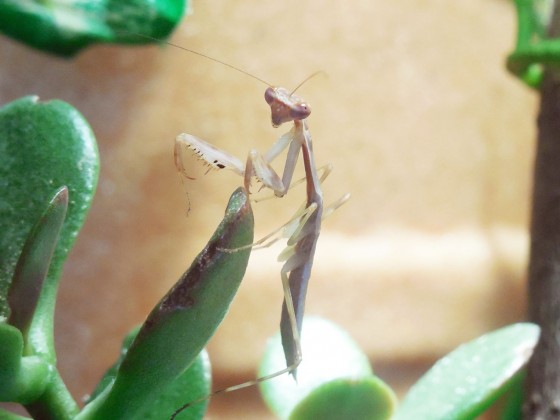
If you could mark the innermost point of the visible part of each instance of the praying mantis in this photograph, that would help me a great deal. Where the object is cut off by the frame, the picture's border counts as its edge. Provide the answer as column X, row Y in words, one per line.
column 285, row 107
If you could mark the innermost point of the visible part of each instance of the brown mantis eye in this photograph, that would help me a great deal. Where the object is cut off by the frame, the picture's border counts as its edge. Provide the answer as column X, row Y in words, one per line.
column 300, row 111
column 270, row 95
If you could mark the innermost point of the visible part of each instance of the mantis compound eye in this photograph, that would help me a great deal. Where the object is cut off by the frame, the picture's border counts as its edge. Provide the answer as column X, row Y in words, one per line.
column 300, row 111
column 270, row 95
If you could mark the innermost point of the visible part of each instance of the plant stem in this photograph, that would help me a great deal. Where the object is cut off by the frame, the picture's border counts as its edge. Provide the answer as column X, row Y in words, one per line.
column 56, row 403
column 542, row 385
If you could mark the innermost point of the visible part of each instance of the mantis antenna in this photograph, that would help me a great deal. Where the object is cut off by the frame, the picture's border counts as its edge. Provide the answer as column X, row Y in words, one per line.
column 231, row 66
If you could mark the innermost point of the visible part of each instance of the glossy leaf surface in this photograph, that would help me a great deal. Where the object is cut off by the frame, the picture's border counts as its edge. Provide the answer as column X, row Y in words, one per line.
column 333, row 367
column 34, row 261
column 468, row 380
column 193, row 383
column 43, row 146
column 65, row 27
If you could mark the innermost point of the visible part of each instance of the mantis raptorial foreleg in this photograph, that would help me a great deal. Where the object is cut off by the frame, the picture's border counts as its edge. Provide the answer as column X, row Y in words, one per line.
column 216, row 158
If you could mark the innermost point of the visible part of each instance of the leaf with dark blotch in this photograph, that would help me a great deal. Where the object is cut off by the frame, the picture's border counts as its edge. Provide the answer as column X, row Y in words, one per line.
column 33, row 263
column 181, row 324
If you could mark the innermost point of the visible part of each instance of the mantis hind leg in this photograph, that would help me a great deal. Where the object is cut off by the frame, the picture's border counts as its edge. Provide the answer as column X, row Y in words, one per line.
column 335, row 205
column 287, row 230
column 288, row 302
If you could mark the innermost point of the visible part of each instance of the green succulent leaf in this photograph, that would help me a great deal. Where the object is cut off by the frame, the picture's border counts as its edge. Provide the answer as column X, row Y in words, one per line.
column 332, row 376
column 191, row 385
column 65, row 27
column 7, row 415
column 188, row 386
column 33, row 264
column 109, row 376
column 43, row 147
column 367, row 398
column 22, row 379
column 468, row 380
column 181, row 324
column 12, row 350
column 512, row 407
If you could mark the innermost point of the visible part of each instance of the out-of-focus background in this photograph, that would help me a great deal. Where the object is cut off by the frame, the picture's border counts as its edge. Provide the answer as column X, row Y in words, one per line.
column 419, row 118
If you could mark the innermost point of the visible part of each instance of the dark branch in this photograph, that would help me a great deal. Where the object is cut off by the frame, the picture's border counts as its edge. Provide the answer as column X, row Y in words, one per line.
column 542, row 386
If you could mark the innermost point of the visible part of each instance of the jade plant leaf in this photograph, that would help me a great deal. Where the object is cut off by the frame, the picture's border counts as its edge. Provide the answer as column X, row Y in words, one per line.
column 12, row 349
column 6, row 415
column 335, row 379
column 188, row 386
column 513, row 400
column 65, row 27
column 360, row 398
column 181, row 324
column 468, row 380
column 191, row 385
column 109, row 376
column 34, row 261
column 44, row 146
column 22, row 379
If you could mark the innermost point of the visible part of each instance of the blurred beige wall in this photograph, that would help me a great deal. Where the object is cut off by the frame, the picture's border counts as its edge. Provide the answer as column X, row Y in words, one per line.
column 419, row 118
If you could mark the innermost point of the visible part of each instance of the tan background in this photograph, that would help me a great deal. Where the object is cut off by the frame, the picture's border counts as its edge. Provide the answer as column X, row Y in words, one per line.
column 423, row 125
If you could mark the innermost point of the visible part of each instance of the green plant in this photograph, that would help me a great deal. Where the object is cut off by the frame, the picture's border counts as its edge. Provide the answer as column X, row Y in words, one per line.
column 38, row 222
column 50, row 154
column 48, row 174
column 534, row 48
column 65, row 27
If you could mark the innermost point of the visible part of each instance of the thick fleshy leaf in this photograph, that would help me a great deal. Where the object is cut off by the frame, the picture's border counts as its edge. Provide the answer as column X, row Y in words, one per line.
column 468, row 380
column 33, row 264
column 190, row 385
column 43, row 147
column 12, row 349
column 65, row 27
column 22, row 379
column 6, row 415
column 181, row 324
column 366, row 398
column 329, row 354
column 512, row 408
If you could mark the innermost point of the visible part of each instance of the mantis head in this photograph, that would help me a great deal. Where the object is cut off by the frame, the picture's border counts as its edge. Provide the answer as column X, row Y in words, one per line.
column 285, row 106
